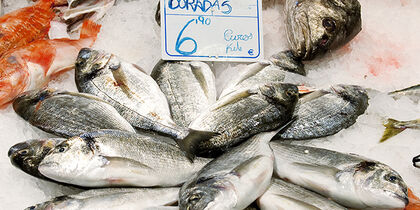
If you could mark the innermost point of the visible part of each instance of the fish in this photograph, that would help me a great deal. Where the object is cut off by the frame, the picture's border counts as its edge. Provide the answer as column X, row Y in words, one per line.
column 28, row 154
column 413, row 93
column 23, row 26
column 189, row 86
column 113, row 198
column 34, row 65
column 68, row 114
column 348, row 179
column 284, row 195
column 113, row 158
column 281, row 67
column 315, row 27
column 326, row 112
column 238, row 116
column 135, row 95
column 414, row 201
column 394, row 127
column 232, row 181
column 416, row 161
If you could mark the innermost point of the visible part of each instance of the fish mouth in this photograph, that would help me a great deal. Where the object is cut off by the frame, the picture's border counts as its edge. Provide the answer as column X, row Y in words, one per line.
column 401, row 198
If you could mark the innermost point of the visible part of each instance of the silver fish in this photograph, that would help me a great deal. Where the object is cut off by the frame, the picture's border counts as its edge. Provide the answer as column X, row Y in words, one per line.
column 326, row 112
column 233, row 180
column 135, row 95
column 394, row 127
column 241, row 114
column 350, row 180
column 189, row 87
column 413, row 93
column 113, row 198
column 284, row 195
column 282, row 67
column 416, row 161
column 28, row 154
column 116, row 158
column 315, row 26
column 68, row 114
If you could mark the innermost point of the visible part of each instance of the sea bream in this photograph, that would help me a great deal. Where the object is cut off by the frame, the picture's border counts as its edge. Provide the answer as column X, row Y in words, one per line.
column 189, row 86
column 233, row 180
column 68, row 114
column 114, row 198
column 315, row 26
column 135, row 94
column 34, row 65
column 238, row 116
column 28, row 154
column 350, row 180
column 326, row 112
column 285, row 195
column 110, row 158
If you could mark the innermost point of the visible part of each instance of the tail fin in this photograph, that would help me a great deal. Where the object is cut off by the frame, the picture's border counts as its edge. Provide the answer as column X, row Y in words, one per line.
column 90, row 30
column 391, row 130
column 190, row 143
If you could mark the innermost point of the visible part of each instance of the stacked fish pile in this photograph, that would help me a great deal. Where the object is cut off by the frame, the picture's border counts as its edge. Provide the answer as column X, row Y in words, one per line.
column 176, row 145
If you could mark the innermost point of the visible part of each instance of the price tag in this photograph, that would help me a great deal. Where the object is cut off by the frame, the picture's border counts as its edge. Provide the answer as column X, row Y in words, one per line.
column 212, row 30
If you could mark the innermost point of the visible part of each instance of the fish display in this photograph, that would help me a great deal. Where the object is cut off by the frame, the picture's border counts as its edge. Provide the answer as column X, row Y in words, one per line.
column 394, row 127
column 68, row 114
column 282, row 67
column 413, row 93
column 25, row 25
column 233, row 180
column 115, row 158
column 114, row 198
column 135, row 95
column 326, row 112
column 32, row 66
column 350, row 180
column 284, row 195
column 238, row 116
column 28, row 154
column 416, row 161
column 189, row 87
column 314, row 27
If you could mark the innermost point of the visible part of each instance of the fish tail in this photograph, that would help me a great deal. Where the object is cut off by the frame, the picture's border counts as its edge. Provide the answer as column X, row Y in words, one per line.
column 190, row 143
column 391, row 129
column 90, row 30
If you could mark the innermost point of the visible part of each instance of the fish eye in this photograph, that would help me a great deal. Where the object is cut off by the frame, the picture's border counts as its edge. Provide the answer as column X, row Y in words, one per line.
column 329, row 24
column 391, row 178
column 290, row 93
column 194, row 198
column 61, row 148
column 23, row 152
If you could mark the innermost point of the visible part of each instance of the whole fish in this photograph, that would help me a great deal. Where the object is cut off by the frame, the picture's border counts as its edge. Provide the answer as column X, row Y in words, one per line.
column 416, row 161
column 113, row 198
column 238, row 116
column 350, row 180
column 282, row 67
column 32, row 66
column 413, row 93
column 25, row 25
column 394, row 127
column 68, row 114
column 326, row 112
column 189, row 87
column 135, row 94
column 284, row 195
column 28, row 154
column 233, row 180
column 116, row 158
column 316, row 26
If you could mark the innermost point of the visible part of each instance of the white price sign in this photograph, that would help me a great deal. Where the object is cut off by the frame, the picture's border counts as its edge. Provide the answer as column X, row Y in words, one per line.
column 212, row 30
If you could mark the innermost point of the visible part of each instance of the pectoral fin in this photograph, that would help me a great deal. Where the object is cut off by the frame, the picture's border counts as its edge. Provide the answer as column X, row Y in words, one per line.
column 126, row 163
column 234, row 97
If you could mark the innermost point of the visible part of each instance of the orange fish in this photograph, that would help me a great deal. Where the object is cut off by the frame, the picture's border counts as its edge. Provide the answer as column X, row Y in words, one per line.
column 414, row 202
column 34, row 65
column 25, row 25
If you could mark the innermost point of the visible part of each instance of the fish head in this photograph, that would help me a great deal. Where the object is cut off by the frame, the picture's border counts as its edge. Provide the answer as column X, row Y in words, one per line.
column 281, row 95
column 378, row 184
column 315, row 26
column 352, row 93
column 68, row 159
column 208, row 194
column 14, row 78
column 28, row 155
column 27, row 102
column 90, row 63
